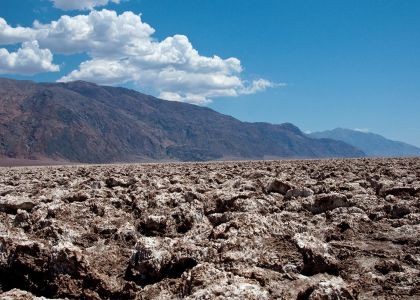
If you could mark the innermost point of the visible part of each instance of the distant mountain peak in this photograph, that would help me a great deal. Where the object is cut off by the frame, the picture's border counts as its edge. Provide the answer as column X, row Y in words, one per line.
column 292, row 128
column 371, row 143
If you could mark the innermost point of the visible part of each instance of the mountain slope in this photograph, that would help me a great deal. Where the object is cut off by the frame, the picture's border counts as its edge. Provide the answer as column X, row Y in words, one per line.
column 84, row 122
column 370, row 143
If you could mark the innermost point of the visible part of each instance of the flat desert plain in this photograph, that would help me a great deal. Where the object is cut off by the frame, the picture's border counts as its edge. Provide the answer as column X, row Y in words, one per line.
column 310, row 229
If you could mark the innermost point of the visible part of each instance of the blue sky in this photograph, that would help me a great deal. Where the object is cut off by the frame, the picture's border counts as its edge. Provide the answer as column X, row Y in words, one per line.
column 317, row 64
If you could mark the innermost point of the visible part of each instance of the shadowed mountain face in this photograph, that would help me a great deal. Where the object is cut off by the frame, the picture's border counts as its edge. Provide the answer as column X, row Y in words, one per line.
column 84, row 122
column 370, row 143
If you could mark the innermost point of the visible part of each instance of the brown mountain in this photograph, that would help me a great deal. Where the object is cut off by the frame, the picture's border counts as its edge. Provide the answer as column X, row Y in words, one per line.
column 85, row 122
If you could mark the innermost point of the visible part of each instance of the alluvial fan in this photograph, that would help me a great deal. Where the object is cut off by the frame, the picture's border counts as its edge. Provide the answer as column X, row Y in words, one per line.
column 314, row 229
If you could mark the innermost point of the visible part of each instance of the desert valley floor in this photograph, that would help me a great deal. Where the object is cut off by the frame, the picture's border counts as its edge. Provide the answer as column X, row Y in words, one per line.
column 304, row 229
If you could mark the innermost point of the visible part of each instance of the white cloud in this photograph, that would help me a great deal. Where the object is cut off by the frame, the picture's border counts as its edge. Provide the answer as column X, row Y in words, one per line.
column 100, row 33
column 12, row 35
column 27, row 60
column 173, row 84
column 81, row 4
column 122, row 49
column 258, row 86
column 190, row 98
column 103, row 71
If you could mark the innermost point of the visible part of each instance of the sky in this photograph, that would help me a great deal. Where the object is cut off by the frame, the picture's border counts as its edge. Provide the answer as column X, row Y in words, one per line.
column 317, row 64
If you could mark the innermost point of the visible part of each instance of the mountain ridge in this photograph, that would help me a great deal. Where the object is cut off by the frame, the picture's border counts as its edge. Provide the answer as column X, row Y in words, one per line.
column 371, row 143
column 88, row 123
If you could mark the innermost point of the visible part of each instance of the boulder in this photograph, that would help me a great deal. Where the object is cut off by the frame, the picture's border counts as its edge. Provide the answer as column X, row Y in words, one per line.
column 325, row 202
column 299, row 192
column 278, row 186
column 10, row 204
column 316, row 256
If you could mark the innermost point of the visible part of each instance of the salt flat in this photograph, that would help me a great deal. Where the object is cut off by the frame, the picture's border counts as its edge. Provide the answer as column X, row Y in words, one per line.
column 304, row 229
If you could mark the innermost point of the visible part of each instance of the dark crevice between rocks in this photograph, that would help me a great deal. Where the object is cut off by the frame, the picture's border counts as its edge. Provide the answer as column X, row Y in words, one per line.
column 385, row 267
column 76, row 198
column 152, row 230
column 398, row 191
column 27, row 270
column 218, row 219
column 225, row 205
column 25, row 280
column 176, row 269
column 313, row 269
column 186, row 289
column 305, row 295
column 343, row 226
column 173, row 269
column 31, row 268
column 314, row 264
column 183, row 223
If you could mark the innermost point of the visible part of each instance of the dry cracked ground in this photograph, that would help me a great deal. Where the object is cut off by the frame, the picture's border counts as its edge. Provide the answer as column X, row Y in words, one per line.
column 327, row 229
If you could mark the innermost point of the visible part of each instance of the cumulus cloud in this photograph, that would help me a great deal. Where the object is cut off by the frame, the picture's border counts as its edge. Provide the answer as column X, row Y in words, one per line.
column 27, row 60
column 81, row 4
column 190, row 98
column 12, row 35
column 122, row 49
column 100, row 34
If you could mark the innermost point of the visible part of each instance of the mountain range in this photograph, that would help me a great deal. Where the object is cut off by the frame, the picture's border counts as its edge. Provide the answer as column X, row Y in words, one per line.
column 87, row 123
column 372, row 144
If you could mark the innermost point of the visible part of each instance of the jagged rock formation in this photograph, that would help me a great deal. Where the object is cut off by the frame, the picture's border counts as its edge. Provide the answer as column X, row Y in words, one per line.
column 84, row 122
column 330, row 229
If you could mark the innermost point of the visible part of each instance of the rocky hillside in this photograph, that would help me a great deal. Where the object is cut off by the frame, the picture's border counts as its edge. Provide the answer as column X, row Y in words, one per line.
column 84, row 122
column 330, row 229
column 372, row 144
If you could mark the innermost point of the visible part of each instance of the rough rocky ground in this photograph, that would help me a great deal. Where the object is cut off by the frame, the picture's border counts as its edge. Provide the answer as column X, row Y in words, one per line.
column 330, row 229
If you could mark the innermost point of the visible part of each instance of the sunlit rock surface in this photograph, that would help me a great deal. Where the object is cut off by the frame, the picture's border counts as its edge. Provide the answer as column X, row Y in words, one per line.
column 328, row 229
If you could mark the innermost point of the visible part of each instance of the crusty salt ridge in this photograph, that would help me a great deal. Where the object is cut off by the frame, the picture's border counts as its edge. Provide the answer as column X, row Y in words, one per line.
column 315, row 229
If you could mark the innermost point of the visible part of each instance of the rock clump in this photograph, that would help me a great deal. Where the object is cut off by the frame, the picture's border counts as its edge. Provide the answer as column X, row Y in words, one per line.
column 328, row 229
